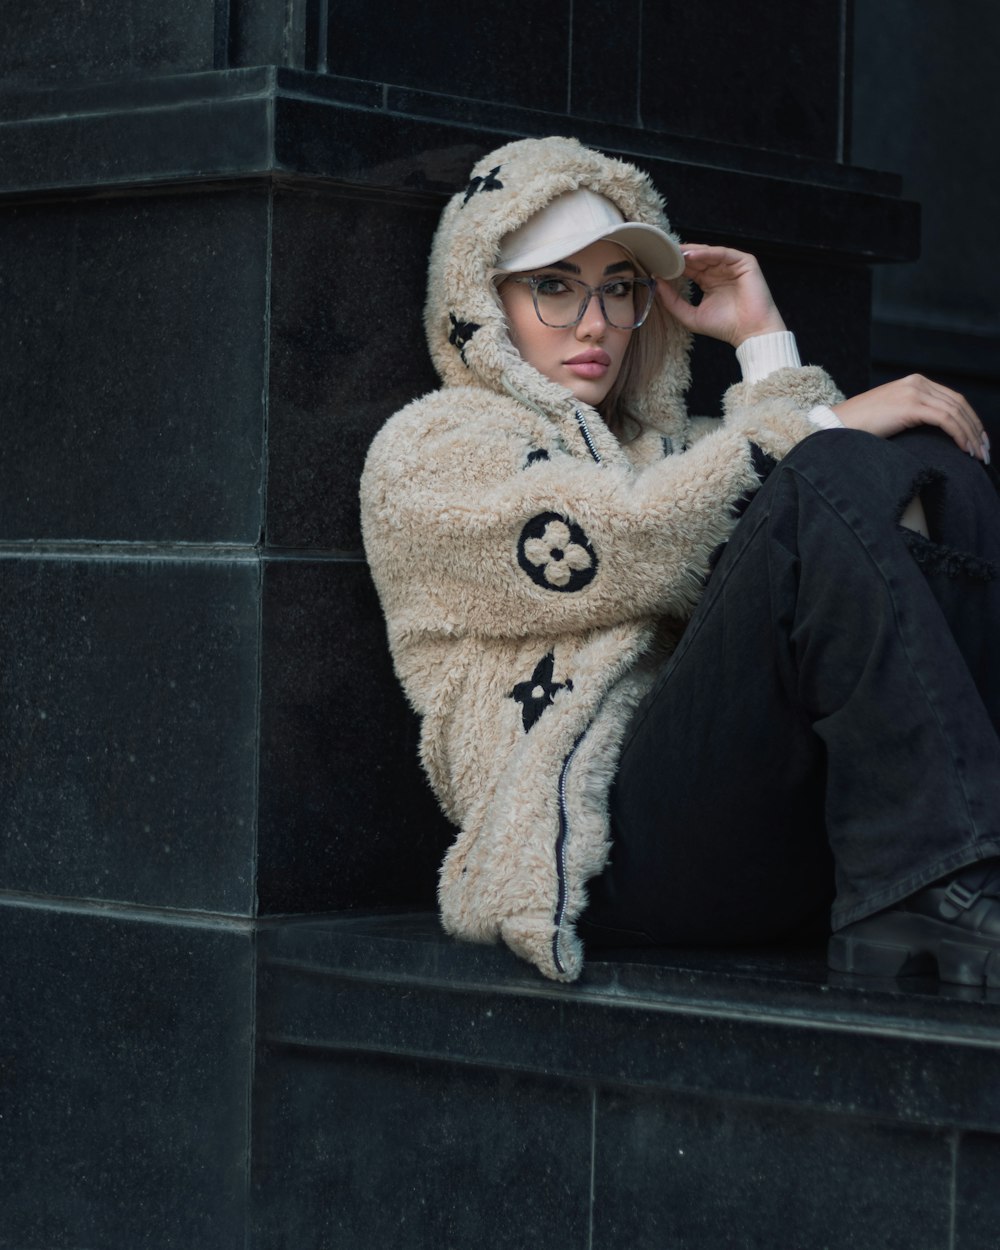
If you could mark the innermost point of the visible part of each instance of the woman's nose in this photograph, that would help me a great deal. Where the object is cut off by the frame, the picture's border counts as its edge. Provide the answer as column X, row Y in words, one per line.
column 592, row 324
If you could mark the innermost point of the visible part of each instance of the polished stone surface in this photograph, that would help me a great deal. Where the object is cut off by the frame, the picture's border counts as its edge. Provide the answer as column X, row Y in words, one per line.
column 977, row 1194
column 127, row 147
column 132, row 336
column 701, row 72
column 65, row 40
column 129, row 730
column 930, row 129
column 410, row 153
column 771, row 1024
column 343, row 356
column 261, row 32
column 355, row 1152
column 606, row 82
column 249, row 122
column 692, row 1173
column 346, row 818
column 39, row 100
column 517, row 52
column 700, row 1098
column 939, row 316
column 125, row 1066
column 646, row 69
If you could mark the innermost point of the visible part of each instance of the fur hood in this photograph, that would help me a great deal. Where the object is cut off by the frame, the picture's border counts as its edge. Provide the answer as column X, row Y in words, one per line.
column 465, row 325
column 528, row 562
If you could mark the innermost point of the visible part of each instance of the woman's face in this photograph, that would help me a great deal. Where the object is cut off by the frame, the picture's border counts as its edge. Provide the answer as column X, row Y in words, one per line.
column 585, row 358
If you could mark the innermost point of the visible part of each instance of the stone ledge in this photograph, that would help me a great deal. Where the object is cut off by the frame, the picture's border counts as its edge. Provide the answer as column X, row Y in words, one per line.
column 763, row 1025
column 269, row 122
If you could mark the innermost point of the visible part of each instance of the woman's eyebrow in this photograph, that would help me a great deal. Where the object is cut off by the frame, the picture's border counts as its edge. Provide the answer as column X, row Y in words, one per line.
column 618, row 267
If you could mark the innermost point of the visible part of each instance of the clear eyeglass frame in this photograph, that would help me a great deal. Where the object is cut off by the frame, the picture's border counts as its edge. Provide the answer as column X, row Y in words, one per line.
column 587, row 293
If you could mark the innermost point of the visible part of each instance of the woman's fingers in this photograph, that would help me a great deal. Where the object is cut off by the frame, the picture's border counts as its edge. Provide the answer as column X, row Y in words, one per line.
column 736, row 303
column 676, row 305
column 916, row 400
column 939, row 405
column 709, row 256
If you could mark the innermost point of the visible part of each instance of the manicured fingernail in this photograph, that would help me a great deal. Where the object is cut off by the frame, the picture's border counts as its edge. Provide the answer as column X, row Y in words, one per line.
column 986, row 440
column 970, row 451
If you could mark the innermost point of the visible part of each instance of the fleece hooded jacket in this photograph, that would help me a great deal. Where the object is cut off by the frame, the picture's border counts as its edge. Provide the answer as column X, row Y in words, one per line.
column 532, row 568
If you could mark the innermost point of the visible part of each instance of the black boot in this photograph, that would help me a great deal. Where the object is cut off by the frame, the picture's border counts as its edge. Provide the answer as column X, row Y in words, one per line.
column 953, row 925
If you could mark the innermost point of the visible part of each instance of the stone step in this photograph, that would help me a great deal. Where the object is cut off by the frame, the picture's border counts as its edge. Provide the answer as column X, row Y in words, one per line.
column 416, row 1091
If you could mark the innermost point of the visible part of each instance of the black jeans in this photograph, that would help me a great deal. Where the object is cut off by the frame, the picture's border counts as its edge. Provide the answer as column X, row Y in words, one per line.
column 827, row 728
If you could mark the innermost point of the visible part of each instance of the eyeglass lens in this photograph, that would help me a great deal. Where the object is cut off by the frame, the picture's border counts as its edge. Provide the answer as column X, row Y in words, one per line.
column 560, row 302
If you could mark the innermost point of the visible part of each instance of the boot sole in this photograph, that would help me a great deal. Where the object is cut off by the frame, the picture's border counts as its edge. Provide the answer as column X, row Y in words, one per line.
column 899, row 944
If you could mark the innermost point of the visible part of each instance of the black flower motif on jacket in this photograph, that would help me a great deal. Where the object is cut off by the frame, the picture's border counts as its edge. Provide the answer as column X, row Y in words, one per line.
column 539, row 691
column 555, row 553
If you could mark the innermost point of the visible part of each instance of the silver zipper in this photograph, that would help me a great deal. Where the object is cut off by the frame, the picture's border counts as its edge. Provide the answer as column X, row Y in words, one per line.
column 562, row 896
column 582, row 423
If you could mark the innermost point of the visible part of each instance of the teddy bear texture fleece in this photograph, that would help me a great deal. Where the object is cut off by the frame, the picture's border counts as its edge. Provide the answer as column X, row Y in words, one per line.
column 532, row 568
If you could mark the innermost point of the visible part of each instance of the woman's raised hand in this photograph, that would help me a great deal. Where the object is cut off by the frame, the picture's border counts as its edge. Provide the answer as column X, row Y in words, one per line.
column 736, row 302
column 916, row 400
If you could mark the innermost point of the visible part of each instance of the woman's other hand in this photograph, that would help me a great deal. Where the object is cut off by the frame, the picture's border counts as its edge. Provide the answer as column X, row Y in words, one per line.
column 916, row 400
column 736, row 303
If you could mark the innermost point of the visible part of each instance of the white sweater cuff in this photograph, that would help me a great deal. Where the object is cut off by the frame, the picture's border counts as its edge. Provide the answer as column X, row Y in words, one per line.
column 763, row 353
column 824, row 418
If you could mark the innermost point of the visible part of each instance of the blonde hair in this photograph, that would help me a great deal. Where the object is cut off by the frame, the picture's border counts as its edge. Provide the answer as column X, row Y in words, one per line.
column 643, row 362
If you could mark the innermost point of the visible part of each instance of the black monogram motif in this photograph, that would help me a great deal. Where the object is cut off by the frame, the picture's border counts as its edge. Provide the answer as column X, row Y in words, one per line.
column 555, row 553
column 461, row 332
column 539, row 691
column 487, row 182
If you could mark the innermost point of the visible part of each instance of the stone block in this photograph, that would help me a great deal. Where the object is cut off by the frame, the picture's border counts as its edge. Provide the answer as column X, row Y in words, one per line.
column 129, row 730
column 66, row 41
column 346, row 819
column 977, row 1194
column 517, row 53
column 693, row 1173
column 132, row 336
column 759, row 75
column 763, row 1026
column 359, row 1152
column 124, row 1081
column 347, row 350
column 605, row 73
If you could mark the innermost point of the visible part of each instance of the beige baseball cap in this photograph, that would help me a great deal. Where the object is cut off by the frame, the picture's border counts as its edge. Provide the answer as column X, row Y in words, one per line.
column 575, row 220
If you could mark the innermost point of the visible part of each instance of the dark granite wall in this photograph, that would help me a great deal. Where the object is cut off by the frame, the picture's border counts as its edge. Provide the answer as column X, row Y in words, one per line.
column 208, row 214
column 925, row 104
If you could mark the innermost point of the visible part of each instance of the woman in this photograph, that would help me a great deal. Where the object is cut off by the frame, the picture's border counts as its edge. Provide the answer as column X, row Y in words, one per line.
column 545, row 528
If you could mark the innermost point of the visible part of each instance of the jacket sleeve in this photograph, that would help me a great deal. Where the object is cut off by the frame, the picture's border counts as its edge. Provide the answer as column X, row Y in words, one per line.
column 467, row 534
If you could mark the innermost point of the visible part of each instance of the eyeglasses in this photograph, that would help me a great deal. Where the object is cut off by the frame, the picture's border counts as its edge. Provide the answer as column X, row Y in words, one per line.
column 561, row 302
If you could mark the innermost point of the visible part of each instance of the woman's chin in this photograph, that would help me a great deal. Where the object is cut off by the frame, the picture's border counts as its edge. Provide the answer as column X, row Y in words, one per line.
column 589, row 391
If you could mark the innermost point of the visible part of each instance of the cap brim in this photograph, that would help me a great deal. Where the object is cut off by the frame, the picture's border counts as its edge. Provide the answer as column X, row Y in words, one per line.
column 655, row 251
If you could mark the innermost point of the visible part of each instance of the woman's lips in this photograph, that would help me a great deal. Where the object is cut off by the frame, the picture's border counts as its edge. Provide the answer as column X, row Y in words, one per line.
column 591, row 364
